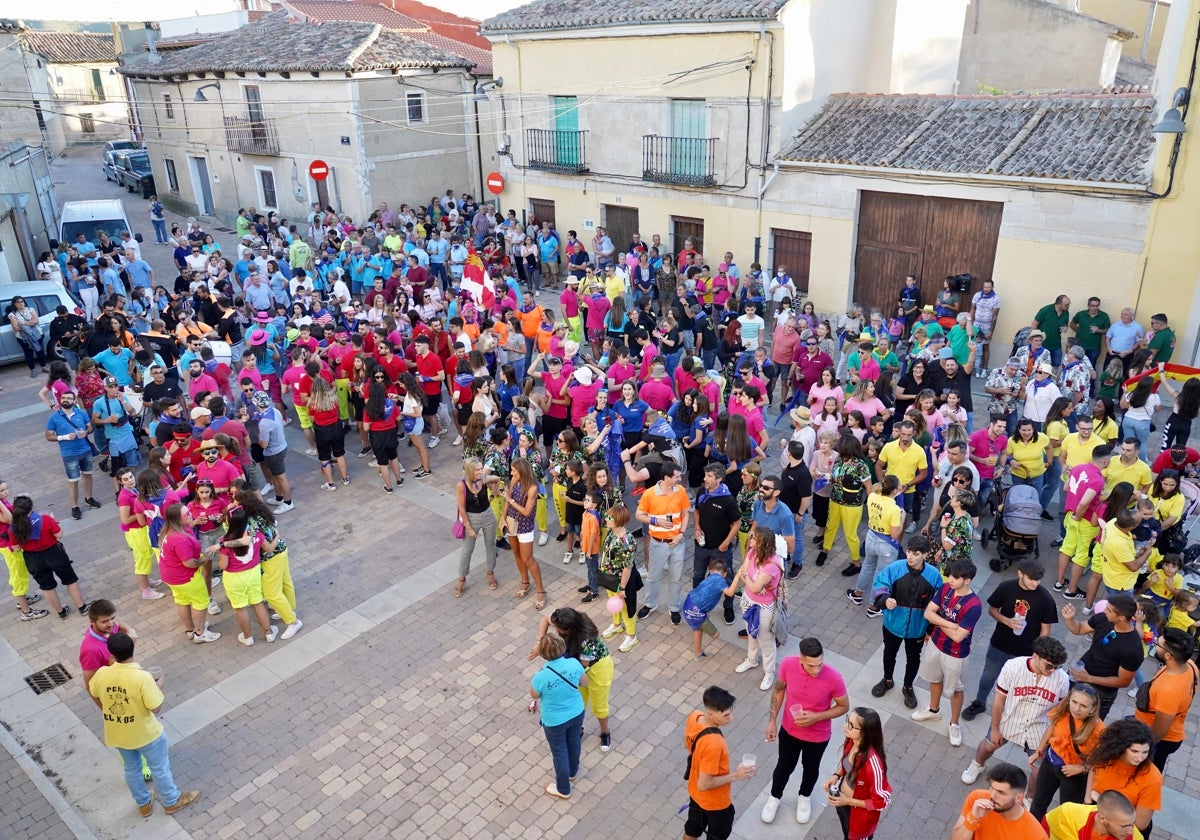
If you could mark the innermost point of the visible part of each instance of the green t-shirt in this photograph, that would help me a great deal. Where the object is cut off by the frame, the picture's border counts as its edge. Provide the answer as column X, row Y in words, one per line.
column 1051, row 322
column 932, row 329
column 1089, row 340
column 1163, row 345
column 958, row 340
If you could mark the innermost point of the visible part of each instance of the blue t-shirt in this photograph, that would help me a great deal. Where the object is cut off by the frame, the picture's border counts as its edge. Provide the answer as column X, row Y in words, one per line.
column 116, row 364
column 119, row 436
column 703, row 599
column 62, row 423
column 506, row 394
column 560, row 700
column 780, row 520
column 270, row 429
column 633, row 417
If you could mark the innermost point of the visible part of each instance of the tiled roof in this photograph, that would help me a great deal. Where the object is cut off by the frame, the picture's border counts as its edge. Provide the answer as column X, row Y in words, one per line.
column 572, row 14
column 442, row 22
column 1102, row 136
column 326, row 10
column 178, row 42
column 481, row 58
column 297, row 45
column 71, row 47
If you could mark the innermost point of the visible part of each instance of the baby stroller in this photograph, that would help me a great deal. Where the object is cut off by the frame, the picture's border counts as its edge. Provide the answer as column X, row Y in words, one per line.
column 1015, row 530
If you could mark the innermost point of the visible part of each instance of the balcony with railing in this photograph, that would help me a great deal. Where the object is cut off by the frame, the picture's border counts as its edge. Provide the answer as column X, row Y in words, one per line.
column 557, row 151
column 252, row 136
column 83, row 96
column 682, row 161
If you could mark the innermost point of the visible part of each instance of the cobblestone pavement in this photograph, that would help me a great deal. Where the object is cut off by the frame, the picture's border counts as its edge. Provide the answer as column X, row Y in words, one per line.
column 400, row 711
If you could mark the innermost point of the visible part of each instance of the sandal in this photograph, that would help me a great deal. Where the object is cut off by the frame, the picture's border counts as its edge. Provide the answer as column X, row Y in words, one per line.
column 541, row 600
column 492, row 580
column 462, row 585
column 523, row 591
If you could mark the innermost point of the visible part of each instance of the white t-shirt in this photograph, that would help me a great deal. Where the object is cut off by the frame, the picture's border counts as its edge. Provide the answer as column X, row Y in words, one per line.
column 1144, row 412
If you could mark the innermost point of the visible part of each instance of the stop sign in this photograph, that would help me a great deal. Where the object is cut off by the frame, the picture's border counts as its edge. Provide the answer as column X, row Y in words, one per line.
column 318, row 170
column 495, row 183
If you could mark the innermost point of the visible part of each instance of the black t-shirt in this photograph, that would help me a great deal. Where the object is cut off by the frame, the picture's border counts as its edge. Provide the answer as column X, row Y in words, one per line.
column 1037, row 606
column 168, row 390
column 164, row 346
column 1111, row 651
column 795, row 485
column 576, row 491
column 706, row 334
column 715, row 516
column 230, row 329
column 939, row 383
column 685, row 321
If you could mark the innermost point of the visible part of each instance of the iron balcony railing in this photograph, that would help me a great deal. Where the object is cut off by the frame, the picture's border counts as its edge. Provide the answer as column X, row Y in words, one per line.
column 557, row 151
column 256, row 137
column 80, row 95
column 684, row 161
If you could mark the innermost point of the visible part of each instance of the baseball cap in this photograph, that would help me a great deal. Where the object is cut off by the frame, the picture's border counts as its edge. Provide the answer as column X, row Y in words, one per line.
column 200, row 411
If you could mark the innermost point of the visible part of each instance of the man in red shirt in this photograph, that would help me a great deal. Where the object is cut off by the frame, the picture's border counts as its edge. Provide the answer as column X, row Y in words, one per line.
column 392, row 364
column 220, row 472
column 418, row 277
column 431, row 374
column 440, row 341
column 185, row 451
column 1176, row 458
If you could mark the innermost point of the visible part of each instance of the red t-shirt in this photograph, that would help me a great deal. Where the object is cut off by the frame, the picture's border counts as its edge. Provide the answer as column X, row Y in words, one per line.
column 291, row 379
column 49, row 536
column 221, row 473
column 213, row 510
column 184, row 453
column 325, row 418
column 430, row 365
column 394, row 366
column 554, row 385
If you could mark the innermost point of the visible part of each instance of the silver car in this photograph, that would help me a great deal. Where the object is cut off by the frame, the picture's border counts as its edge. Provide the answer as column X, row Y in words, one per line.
column 42, row 295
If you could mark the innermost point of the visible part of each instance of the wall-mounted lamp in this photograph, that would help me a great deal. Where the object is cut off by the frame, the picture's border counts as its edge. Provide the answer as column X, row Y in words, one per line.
column 200, row 97
column 482, row 88
column 1172, row 120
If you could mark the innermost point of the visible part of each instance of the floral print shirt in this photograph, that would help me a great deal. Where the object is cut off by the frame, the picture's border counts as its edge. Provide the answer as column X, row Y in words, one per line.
column 617, row 552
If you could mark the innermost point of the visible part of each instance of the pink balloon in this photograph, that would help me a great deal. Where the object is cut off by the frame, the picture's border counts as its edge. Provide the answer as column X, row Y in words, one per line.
column 615, row 604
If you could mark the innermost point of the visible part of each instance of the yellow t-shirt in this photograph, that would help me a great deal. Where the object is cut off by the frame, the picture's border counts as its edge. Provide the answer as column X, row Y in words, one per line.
column 904, row 464
column 1078, row 451
column 1180, row 620
column 1029, row 459
column 1117, row 547
column 1159, row 587
column 1056, row 431
column 127, row 694
column 883, row 514
column 1067, row 821
column 1108, row 431
column 1138, row 475
column 1164, row 509
column 614, row 286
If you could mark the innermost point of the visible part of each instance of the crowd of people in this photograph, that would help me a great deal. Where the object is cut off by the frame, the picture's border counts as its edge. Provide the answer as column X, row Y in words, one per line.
column 640, row 405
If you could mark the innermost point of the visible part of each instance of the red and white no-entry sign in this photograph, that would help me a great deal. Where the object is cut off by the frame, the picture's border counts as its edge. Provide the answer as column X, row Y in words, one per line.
column 495, row 183
column 318, row 170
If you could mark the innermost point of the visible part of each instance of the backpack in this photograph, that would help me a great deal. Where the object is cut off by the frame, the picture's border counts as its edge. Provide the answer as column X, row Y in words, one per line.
column 687, row 767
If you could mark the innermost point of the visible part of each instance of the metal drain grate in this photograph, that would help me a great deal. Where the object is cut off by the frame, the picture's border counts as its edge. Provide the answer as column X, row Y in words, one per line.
column 48, row 678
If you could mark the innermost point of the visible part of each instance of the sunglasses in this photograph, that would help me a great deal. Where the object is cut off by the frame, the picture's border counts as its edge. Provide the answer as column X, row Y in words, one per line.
column 810, row 344
column 208, row 452
column 960, row 481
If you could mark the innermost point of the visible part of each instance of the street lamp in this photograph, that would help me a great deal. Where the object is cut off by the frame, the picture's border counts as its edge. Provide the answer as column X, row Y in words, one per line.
column 200, row 97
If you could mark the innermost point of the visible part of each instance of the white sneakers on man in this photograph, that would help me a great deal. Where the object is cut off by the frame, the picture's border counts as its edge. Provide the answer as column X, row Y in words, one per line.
column 746, row 665
column 768, row 811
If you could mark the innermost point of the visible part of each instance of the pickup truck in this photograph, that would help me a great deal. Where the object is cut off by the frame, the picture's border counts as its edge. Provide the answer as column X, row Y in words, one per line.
column 133, row 172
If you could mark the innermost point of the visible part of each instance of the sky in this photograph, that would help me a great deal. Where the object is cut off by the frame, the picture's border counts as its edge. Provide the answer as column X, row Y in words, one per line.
column 98, row 10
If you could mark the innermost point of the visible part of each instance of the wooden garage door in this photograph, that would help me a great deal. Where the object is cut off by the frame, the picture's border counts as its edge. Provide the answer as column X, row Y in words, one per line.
column 928, row 237
column 543, row 211
column 621, row 223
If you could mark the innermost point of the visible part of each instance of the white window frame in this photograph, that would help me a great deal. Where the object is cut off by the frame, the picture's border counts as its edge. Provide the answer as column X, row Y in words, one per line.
column 172, row 173
column 262, row 198
column 424, row 103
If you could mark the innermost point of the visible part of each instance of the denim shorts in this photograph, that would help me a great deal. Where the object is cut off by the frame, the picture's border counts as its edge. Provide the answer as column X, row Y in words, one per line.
column 77, row 465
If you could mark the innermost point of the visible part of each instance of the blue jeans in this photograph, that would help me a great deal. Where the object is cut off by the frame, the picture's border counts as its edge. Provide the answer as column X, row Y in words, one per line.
column 1037, row 482
column 160, row 231
column 157, row 760
column 703, row 555
column 992, row 664
column 593, row 572
column 797, row 558
column 1056, row 356
column 1051, row 481
column 709, row 357
column 1139, row 429
column 878, row 551
column 530, row 344
column 564, row 739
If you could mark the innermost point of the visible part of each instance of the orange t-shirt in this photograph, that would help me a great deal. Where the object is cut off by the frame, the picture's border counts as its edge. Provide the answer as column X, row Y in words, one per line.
column 711, row 756
column 589, row 536
column 1143, row 790
column 1060, row 740
column 656, row 503
column 530, row 321
column 1172, row 695
column 995, row 826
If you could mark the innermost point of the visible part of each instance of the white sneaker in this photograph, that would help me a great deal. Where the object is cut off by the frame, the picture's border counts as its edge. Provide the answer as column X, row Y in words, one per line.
column 568, row 557
column 292, row 629
column 610, row 631
column 283, row 507
column 434, row 440
column 769, row 809
column 244, row 641
column 582, row 558
column 214, row 608
column 310, row 452
column 206, row 636
column 544, row 538
column 150, row 595
column 972, row 773
column 457, row 440
column 803, row 810
column 745, row 665
column 275, row 616
column 265, row 489
column 926, row 714
column 273, row 633
column 629, row 644
column 767, row 682
column 955, row 735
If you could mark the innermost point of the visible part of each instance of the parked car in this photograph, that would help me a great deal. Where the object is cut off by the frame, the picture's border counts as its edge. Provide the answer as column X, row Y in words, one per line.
column 133, row 171
column 42, row 295
column 87, row 217
column 110, row 148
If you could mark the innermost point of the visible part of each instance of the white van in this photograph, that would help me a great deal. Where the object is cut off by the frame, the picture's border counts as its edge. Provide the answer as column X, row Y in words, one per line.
column 88, row 217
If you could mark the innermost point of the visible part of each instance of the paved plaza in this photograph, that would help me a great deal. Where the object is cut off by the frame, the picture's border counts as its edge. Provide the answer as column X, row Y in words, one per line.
column 399, row 711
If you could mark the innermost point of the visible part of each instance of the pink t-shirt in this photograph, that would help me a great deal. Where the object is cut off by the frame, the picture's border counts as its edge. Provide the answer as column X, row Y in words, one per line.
column 684, row 381
column 213, row 510
column 754, row 424
column 657, row 394
column 222, row 473
column 291, row 379
column 58, row 389
column 713, row 391
column 773, row 568
column 815, row 694
column 128, row 498
column 554, row 385
column 583, row 400
column 241, row 559
column 870, row 408
column 817, row 395
column 203, row 382
column 619, row 372
column 93, row 649
column 569, row 302
column 177, row 547
column 829, row 424
column 984, row 447
column 598, row 306
column 1083, row 478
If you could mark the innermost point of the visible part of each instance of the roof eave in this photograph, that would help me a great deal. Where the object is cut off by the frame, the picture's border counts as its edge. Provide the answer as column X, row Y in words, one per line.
column 970, row 177
column 485, row 30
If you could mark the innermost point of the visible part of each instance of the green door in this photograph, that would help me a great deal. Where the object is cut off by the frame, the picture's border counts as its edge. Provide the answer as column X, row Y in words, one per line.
column 689, row 128
column 566, row 126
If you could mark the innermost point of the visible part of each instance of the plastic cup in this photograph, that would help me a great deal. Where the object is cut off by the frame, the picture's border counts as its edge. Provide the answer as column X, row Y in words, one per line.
column 795, row 711
column 749, row 760
column 156, row 673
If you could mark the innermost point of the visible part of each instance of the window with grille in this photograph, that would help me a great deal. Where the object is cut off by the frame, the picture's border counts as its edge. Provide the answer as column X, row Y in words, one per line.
column 792, row 249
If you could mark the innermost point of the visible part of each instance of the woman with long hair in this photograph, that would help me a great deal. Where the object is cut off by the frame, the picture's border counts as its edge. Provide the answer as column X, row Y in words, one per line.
column 618, row 564
column 474, row 442
column 527, row 448
column 135, row 527
column 849, row 483
column 361, row 370
column 181, row 565
column 57, row 383
column 759, row 577
column 277, row 586
column 242, row 577
column 859, row 788
column 478, row 519
column 740, row 450
column 1070, row 739
column 584, row 644
column 1178, row 427
column 1058, row 421
column 1140, row 405
column 1104, row 424
column 521, row 498
column 37, row 536
column 1124, row 761
column 414, row 423
column 865, row 400
column 379, row 418
column 328, row 432
column 566, row 448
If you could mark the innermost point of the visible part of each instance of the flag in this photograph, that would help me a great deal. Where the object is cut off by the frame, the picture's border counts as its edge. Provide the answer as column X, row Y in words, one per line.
column 1178, row 373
